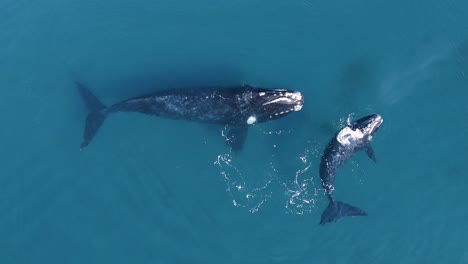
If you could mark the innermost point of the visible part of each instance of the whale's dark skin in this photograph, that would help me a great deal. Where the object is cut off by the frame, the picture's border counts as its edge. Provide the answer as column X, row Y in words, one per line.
column 354, row 137
column 237, row 107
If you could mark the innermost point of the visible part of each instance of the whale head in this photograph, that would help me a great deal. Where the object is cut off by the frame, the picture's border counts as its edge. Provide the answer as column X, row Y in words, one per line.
column 367, row 125
column 359, row 132
column 269, row 104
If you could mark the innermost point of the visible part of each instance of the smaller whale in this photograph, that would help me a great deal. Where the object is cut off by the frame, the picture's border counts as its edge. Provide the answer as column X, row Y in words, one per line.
column 356, row 136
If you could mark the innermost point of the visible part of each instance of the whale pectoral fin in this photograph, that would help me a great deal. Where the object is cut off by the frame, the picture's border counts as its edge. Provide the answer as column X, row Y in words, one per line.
column 370, row 153
column 236, row 137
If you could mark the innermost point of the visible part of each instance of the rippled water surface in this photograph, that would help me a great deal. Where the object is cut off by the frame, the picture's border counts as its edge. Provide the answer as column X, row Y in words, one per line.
column 150, row 190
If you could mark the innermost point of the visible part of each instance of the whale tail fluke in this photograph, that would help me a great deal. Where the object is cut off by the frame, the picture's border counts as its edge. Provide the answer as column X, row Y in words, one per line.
column 336, row 210
column 97, row 114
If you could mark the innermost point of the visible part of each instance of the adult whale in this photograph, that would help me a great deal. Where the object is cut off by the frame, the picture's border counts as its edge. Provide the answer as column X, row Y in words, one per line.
column 354, row 137
column 237, row 107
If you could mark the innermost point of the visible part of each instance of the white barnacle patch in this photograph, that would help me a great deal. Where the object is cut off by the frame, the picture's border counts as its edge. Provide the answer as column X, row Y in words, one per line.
column 281, row 99
column 251, row 120
column 297, row 107
column 298, row 96
column 261, row 93
column 347, row 136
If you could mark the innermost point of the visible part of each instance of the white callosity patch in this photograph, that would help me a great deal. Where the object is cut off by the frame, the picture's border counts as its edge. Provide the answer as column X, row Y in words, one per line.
column 297, row 107
column 281, row 99
column 376, row 124
column 370, row 129
column 295, row 95
column 347, row 136
column 251, row 120
column 287, row 98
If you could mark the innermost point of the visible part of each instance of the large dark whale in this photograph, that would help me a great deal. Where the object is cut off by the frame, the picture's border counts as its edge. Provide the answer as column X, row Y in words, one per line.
column 354, row 137
column 237, row 107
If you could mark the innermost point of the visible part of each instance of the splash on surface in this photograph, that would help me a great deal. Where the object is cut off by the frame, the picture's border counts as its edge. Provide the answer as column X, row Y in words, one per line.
column 242, row 192
column 295, row 191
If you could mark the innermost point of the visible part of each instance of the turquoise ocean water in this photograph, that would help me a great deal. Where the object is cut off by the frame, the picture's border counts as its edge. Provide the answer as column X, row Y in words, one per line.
column 150, row 190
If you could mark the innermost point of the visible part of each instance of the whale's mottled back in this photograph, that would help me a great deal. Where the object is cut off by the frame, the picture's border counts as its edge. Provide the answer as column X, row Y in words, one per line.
column 237, row 107
column 354, row 137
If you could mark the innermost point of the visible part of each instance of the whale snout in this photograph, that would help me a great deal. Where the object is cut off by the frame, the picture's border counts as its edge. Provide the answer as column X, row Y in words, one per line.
column 376, row 123
column 289, row 98
column 368, row 125
column 299, row 101
column 270, row 104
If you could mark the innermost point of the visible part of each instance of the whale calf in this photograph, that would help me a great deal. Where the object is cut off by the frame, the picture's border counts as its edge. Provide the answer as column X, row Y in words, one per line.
column 356, row 136
column 237, row 107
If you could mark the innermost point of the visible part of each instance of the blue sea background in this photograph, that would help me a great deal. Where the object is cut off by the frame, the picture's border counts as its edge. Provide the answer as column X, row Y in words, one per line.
column 150, row 190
